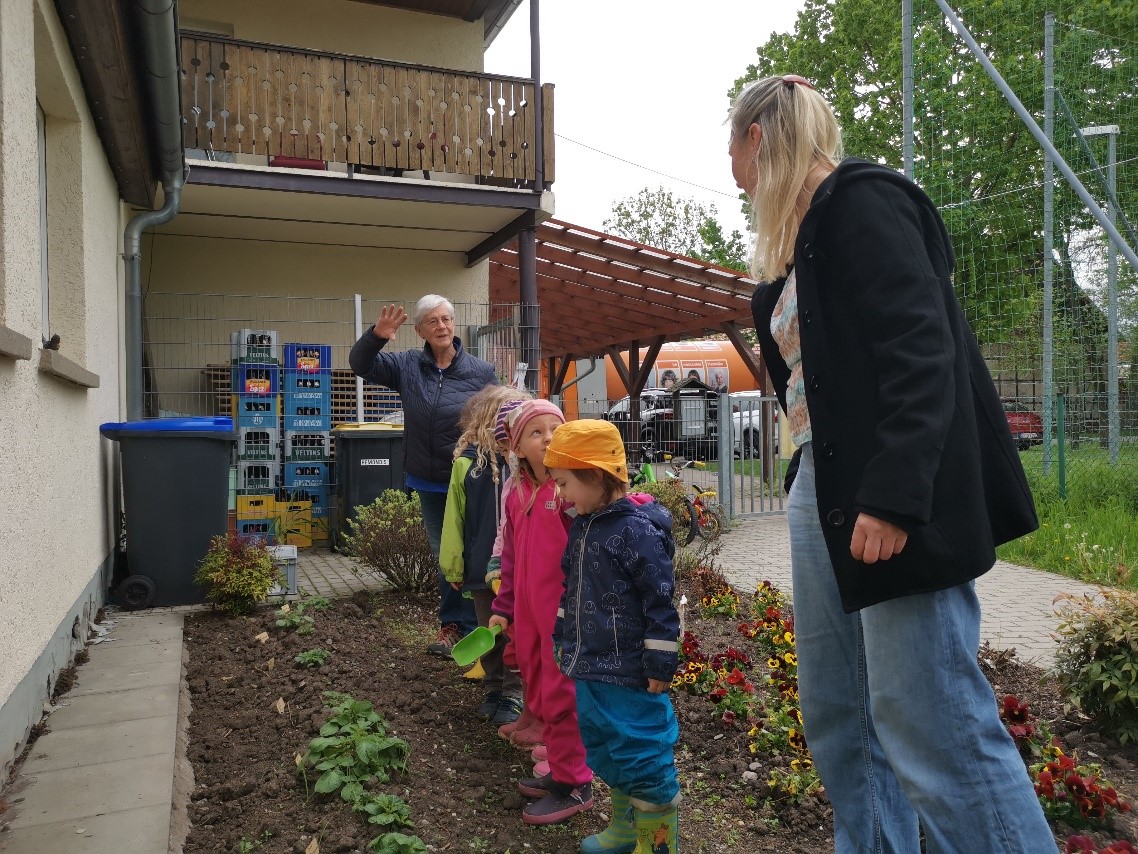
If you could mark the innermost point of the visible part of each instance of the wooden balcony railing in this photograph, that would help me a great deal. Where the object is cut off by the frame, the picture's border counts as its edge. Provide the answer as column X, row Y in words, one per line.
column 262, row 99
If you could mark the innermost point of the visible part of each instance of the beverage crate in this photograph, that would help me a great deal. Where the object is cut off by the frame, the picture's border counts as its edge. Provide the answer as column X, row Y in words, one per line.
column 318, row 495
column 256, row 478
column 284, row 559
column 258, row 443
column 256, row 378
column 308, row 417
column 295, row 383
column 306, row 474
column 254, row 345
column 308, row 403
column 259, row 506
column 299, row 447
column 256, row 529
column 294, row 523
column 308, row 358
column 257, row 411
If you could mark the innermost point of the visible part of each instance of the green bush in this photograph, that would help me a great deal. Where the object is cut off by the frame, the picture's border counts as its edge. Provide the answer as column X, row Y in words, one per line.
column 673, row 495
column 237, row 572
column 1097, row 660
column 388, row 537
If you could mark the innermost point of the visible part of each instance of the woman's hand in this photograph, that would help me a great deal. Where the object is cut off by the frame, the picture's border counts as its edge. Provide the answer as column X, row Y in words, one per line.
column 391, row 317
column 658, row 686
column 456, row 585
column 498, row 620
column 875, row 539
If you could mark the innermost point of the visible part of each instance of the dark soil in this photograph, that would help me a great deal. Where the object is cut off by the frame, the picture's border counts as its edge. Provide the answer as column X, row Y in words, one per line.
column 460, row 782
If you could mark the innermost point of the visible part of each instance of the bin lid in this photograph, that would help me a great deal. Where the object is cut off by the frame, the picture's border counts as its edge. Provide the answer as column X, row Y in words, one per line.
column 367, row 427
column 151, row 426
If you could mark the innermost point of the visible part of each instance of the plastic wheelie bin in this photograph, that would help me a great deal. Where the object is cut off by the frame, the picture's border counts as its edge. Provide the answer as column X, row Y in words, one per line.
column 175, row 474
column 369, row 460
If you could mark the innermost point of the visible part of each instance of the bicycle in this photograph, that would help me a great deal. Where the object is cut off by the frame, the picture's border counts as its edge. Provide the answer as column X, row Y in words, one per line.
column 704, row 507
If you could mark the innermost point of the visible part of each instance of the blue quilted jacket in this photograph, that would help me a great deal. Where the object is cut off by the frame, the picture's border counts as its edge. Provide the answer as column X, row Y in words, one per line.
column 432, row 398
column 617, row 622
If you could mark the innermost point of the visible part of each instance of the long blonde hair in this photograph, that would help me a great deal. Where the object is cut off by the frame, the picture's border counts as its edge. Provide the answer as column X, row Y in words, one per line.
column 799, row 132
column 477, row 421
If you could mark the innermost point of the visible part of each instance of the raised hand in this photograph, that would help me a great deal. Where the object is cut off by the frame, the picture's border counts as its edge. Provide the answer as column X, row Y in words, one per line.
column 391, row 317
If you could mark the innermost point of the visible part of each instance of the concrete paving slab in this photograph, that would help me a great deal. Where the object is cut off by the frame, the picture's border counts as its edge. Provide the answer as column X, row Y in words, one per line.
column 137, row 672
column 138, row 831
column 94, row 790
column 109, row 707
column 80, row 746
column 131, row 629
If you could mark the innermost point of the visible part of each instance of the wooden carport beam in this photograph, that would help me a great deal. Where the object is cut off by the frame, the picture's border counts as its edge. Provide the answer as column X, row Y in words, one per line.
column 634, row 375
column 557, row 372
column 755, row 366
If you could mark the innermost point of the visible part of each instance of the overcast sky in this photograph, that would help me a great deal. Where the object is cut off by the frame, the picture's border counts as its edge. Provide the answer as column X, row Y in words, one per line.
column 645, row 81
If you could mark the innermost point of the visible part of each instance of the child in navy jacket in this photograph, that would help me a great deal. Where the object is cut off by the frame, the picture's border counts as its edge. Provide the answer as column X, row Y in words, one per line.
column 617, row 631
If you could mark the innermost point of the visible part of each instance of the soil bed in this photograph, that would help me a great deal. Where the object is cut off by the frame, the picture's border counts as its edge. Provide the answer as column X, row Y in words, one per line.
column 460, row 778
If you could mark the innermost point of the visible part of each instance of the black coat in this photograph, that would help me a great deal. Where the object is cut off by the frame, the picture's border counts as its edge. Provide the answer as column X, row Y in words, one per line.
column 432, row 399
column 906, row 423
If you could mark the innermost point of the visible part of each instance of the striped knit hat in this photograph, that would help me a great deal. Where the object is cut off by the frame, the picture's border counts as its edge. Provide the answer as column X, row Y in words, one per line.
column 501, row 427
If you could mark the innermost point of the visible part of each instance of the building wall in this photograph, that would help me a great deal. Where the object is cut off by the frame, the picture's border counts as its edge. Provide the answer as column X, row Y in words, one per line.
column 57, row 536
column 342, row 26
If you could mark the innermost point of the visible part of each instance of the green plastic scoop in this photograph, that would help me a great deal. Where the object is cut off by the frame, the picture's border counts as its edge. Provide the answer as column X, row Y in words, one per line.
column 475, row 645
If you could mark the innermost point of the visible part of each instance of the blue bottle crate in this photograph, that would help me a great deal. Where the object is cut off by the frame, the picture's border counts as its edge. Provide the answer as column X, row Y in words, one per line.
column 256, row 378
column 296, row 383
column 308, row 423
column 257, row 411
column 260, row 530
column 308, row 403
column 305, row 474
column 308, row 358
column 299, row 447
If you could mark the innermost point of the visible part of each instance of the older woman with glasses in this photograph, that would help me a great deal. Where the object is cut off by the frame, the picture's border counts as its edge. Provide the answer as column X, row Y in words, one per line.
column 904, row 481
column 434, row 384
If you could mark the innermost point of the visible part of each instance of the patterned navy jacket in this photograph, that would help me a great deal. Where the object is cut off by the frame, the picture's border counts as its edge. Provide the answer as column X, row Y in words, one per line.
column 617, row 622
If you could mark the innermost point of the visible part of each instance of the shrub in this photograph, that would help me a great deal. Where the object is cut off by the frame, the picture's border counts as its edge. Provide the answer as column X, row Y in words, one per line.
column 237, row 572
column 388, row 537
column 1097, row 660
column 699, row 552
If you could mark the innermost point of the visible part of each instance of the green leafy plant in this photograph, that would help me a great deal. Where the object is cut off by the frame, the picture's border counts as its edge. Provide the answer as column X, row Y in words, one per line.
column 237, row 572
column 1097, row 660
column 384, row 810
column 295, row 618
column 352, row 747
column 389, row 539
column 397, row 843
column 312, row 657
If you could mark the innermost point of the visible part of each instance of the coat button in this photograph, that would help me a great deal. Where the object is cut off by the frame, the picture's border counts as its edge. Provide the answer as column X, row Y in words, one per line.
column 836, row 518
column 807, row 317
column 815, row 383
column 827, row 449
column 808, row 251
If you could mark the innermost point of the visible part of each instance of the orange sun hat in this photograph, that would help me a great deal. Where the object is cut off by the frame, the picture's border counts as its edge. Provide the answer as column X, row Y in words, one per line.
column 588, row 443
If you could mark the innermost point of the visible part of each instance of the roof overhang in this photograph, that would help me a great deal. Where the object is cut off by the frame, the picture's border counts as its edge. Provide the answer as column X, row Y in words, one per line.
column 493, row 13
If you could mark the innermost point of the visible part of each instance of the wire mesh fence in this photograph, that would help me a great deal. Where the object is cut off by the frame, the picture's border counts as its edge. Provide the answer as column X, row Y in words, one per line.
column 1060, row 352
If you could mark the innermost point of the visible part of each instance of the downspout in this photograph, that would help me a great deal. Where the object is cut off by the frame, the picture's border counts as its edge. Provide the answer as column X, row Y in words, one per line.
column 157, row 27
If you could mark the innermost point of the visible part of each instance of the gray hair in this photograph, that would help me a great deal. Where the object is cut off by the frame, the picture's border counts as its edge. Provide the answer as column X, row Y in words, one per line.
column 429, row 303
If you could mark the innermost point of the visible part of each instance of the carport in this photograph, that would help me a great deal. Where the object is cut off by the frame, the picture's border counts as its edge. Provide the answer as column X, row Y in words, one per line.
column 602, row 295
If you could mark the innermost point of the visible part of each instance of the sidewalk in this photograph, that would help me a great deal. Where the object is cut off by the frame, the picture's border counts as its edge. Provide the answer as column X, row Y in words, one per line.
column 101, row 780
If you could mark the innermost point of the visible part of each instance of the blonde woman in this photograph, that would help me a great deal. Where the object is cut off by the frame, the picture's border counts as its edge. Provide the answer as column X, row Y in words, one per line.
column 904, row 481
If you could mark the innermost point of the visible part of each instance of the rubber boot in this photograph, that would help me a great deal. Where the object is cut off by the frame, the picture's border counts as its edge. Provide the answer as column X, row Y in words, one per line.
column 657, row 832
column 620, row 836
column 476, row 672
column 524, row 720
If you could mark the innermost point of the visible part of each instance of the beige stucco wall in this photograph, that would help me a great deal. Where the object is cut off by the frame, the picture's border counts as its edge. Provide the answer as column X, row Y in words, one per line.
column 342, row 26
column 54, row 467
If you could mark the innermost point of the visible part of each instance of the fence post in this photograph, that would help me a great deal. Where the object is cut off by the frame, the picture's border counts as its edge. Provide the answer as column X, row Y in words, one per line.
column 726, row 457
column 1048, row 239
column 1061, row 410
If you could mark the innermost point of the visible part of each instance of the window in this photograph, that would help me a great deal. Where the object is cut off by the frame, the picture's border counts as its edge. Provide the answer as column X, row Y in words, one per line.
column 41, row 138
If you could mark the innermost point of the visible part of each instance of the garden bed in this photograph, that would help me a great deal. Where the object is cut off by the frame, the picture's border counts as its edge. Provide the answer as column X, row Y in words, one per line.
column 254, row 710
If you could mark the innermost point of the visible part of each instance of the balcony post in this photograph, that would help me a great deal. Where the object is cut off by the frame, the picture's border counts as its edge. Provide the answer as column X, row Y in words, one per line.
column 527, row 285
column 535, row 73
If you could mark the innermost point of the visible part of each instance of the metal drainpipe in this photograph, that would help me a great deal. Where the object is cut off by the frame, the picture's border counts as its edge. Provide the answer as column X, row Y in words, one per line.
column 157, row 27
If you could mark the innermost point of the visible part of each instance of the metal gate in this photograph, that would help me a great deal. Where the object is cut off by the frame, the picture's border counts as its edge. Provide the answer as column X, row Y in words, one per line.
column 750, row 469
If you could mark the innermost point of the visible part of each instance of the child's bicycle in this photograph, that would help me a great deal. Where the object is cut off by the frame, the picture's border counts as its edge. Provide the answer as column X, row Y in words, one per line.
column 705, row 510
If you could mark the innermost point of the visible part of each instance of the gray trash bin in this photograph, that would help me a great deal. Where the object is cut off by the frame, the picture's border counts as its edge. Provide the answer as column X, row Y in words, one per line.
column 175, row 475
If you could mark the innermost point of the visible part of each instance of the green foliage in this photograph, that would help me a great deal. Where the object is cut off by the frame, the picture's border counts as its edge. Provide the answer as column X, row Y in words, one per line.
column 388, row 537
column 658, row 218
column 383, row 810
column 293, row 617
column 397, row 843
column 1097, row 660
column 237, row 572
column 353, row 746
column 312, row 657
column 700, row 552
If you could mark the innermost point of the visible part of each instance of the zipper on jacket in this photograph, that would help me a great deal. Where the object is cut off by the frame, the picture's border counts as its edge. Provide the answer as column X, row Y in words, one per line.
column 580, row 591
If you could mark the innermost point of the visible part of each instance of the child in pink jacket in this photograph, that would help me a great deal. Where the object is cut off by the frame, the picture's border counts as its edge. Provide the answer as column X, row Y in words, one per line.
column 534, row 539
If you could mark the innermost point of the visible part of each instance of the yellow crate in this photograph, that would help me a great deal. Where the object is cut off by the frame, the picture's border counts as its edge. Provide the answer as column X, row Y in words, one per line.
column 294, row 522
column 256, row 506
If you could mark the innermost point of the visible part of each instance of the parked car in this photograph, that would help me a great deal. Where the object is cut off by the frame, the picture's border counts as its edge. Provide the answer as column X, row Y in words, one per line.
column 1026, row 425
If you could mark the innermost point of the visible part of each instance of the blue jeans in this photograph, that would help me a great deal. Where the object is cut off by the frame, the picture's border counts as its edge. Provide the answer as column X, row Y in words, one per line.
column 900, row 720
column 453, row 608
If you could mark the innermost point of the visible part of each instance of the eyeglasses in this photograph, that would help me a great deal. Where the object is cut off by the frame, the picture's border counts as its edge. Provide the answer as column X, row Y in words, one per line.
column 436, row 322
column 791, row 79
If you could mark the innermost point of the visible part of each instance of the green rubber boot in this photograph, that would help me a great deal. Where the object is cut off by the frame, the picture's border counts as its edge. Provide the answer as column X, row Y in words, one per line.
column 619, row 837
column 657, row 832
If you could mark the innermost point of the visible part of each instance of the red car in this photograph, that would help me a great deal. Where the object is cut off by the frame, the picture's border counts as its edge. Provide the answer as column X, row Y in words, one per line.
column 1026, row 426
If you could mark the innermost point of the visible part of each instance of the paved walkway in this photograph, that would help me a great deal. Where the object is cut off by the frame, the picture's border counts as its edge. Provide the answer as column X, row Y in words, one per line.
column 102, row 780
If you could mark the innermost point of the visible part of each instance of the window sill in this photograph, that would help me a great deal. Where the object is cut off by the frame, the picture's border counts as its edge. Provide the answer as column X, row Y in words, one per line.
column 14, row 345
column 60, row 366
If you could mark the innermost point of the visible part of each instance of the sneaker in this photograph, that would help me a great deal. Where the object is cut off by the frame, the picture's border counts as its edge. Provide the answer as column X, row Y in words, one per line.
column 489, row 706
column 541, row 768
column 447, row 638
column 555, row 806
column 509, row 710
column 539, row 753
column 536, row 787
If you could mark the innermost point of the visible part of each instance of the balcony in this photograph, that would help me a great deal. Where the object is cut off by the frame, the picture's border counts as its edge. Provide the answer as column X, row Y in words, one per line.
column 360, row 115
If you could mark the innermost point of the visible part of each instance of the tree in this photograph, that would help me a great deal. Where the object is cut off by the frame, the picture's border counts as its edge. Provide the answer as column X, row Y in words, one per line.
column 660, row 219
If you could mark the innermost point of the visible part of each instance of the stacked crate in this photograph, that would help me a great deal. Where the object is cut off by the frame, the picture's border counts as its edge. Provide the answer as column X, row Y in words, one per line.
column 307, row 432
column 256, row 382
